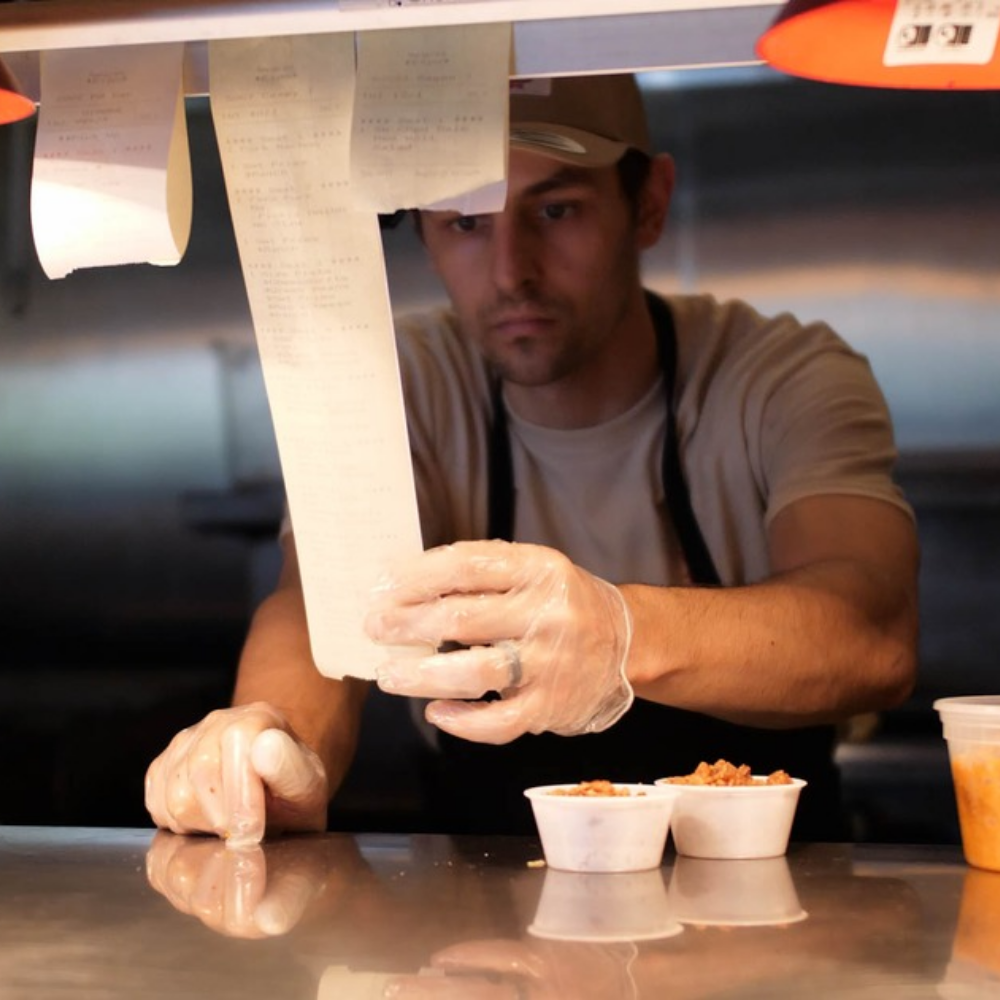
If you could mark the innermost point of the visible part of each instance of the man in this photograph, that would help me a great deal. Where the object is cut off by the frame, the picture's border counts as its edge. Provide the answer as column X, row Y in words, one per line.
column 694, row 545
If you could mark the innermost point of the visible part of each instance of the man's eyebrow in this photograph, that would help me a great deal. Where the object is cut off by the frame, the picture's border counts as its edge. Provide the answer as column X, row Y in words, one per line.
column 566, row 177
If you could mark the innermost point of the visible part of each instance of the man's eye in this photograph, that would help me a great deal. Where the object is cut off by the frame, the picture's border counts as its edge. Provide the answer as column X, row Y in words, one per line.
column 466, row 223
column 556, row 210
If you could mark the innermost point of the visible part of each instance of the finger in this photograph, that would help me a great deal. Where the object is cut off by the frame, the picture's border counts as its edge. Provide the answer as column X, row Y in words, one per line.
column 465, row 987
column 207, row 784
column 181, row 871
column 480, row 722
column 154, row 794
column 499, row 956
column 463, row 567
column 243, row 791
column 159, row 859
column 286, row 900
column 228, row 885
column 168, row 792
column 464, row 673
column 290, row 770
column 473, row 620
column 243, row 888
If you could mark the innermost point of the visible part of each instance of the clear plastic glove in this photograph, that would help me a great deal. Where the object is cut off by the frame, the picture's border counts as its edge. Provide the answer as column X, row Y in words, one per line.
column 516, row 970
column 258, row 892
column 237, row 773
column 551, row 638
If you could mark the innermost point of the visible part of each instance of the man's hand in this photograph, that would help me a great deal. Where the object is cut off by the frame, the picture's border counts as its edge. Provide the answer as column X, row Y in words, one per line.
column 238, row 773
column 547, row 635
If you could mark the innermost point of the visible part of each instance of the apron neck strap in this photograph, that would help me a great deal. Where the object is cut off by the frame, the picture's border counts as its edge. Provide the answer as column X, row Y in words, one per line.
column 502, row 492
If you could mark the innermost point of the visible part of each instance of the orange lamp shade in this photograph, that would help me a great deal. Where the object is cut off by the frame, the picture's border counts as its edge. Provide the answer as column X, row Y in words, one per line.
column 932, row 45
column 13, row 105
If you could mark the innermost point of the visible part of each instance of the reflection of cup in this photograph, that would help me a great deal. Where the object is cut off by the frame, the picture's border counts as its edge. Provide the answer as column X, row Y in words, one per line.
column 587, row 906
column 972, row 730
column 750, row 893
column 977, row 936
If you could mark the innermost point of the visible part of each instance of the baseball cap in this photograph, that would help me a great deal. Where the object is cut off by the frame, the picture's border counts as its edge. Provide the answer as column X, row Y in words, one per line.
column 585, row 120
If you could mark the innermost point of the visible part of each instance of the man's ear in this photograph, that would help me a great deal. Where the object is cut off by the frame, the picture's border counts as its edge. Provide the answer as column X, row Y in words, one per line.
column 654, row 201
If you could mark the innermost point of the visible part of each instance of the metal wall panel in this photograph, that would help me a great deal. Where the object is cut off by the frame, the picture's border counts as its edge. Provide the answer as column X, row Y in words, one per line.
column 139, row 480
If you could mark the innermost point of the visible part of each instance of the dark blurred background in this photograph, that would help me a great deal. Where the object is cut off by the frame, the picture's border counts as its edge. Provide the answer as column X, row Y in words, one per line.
column 140, row 487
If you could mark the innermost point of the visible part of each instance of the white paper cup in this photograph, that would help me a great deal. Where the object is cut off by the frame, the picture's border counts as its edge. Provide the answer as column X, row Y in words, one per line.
column 603, row 833
column 972, row 730
column 733, row 821
column 755, row 893
column 589, row 906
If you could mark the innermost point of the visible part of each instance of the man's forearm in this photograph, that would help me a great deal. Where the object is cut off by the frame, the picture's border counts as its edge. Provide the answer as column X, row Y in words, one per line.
column 277, row 667
column 813, row 645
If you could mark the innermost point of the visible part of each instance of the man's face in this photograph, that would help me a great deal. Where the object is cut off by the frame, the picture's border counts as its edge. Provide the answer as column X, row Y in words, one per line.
column 543, row 285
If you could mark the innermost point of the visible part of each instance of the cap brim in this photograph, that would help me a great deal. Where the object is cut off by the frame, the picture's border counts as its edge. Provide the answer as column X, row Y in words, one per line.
column 566, row 144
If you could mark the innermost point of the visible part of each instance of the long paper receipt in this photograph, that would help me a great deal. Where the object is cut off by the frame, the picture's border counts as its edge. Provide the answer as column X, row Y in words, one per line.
column 430, row 118
column 111, row 182
column 316, row 285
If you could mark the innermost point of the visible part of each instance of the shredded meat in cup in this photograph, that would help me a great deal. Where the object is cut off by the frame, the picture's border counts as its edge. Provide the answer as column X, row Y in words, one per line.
column 723, row 773
column 592, row 788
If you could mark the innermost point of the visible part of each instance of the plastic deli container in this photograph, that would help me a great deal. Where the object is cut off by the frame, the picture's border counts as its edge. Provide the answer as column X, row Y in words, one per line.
column 972, row 730
column 603, row 833
column 733, row 821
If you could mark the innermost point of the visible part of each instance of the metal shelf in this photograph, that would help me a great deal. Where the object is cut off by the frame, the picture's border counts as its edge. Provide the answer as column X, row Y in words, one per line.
column 600, row 36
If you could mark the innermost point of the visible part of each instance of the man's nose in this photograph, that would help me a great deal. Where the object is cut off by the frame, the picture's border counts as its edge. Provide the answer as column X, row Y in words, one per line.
column 515, row 256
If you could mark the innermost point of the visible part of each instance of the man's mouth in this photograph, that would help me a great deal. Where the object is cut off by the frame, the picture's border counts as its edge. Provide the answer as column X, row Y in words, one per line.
column 519, row 322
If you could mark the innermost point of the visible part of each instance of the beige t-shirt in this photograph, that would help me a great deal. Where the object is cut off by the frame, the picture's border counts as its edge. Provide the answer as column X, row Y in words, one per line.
column 768, row 411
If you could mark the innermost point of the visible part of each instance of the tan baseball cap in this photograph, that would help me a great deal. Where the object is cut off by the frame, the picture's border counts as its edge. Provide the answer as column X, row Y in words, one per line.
column 585, row 120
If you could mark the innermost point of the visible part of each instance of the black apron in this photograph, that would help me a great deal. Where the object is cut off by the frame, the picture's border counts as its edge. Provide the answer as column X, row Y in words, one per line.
column 478, row 788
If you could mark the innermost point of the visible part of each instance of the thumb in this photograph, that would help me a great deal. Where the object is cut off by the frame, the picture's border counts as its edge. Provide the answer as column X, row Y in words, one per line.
column 290, row 769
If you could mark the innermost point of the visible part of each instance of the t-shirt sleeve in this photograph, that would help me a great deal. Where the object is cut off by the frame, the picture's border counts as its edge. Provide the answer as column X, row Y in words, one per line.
column 822, row 423
column 444, row 387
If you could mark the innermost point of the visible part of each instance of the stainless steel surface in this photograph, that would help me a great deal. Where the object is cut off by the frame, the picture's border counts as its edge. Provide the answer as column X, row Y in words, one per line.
column 338, row 917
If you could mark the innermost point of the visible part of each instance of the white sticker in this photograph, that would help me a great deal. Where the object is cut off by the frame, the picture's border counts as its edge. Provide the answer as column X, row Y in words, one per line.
column 943, row 32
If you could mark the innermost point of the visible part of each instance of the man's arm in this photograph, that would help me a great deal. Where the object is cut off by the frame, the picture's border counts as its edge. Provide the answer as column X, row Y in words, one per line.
column 277, row 667
column 272, row 760
column 831, row 633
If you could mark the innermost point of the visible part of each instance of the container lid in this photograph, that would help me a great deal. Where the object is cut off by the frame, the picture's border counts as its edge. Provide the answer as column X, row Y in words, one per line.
column 973, row 706
column 972, row 717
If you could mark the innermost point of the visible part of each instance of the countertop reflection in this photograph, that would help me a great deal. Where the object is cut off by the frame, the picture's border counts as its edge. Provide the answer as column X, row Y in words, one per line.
column 130, row 913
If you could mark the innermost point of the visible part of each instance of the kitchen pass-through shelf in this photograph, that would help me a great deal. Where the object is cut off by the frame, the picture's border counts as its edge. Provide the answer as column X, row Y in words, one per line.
column 551, row 37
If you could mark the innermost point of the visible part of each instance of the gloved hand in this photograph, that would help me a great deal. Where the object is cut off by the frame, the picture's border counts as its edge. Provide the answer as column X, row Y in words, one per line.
column 238, row 772
column 535, row 968
column 261, row 891
column 550, row 637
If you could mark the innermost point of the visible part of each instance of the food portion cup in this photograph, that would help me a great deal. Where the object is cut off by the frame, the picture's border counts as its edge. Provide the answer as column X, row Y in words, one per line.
column 733, row 821
column 972, row 730
column 597, row 906
column 603, row 833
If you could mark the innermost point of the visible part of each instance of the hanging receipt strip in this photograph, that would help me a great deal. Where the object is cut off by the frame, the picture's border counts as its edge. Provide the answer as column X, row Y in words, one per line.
column 430, row 119
column 111, row 182
column 315, row 277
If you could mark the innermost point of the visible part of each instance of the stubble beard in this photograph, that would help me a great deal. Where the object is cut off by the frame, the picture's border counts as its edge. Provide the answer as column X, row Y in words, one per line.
column 535, row 360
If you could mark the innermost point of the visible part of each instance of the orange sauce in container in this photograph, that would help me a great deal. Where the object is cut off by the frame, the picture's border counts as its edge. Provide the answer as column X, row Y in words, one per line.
column 977, row 792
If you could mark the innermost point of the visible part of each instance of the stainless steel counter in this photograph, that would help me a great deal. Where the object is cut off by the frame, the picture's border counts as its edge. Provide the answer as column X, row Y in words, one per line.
column 125, row 913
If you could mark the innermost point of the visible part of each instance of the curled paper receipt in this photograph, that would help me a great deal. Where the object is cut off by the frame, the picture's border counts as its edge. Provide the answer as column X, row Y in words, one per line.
column 112, row 174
